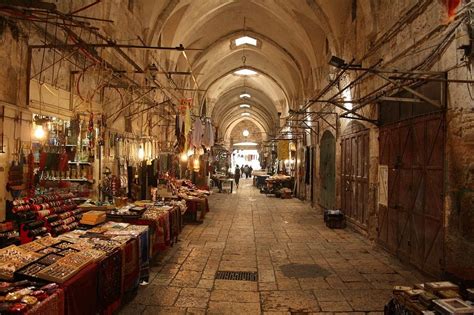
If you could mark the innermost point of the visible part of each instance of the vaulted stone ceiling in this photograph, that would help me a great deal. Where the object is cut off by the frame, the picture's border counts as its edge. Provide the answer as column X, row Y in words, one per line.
column 295, row 39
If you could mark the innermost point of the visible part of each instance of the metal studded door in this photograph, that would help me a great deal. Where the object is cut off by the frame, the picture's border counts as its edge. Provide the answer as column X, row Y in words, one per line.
column 355, row 174
column 411, row 226
column 327, row 171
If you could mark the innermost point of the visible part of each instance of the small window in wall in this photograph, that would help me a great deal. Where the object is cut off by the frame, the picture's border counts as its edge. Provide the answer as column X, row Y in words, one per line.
column 131, row 5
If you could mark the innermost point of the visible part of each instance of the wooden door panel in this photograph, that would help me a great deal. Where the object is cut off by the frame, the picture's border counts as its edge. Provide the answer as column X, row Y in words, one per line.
column 417, row 239
column 354, row 174
column 414, row 152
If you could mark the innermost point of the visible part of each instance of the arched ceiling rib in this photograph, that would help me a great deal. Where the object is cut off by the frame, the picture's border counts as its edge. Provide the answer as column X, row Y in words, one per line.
column 262, row 80
column 293, row 36
column 231, row 126
column 255, row 112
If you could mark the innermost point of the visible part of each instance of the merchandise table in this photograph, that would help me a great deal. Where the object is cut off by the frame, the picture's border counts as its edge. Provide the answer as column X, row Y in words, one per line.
column 196, row 204
column 164, row 225
column 54, row 304
column 259, row 180
column 224, row 182
column 277, row 182
column 108, row 273
column 80, row 292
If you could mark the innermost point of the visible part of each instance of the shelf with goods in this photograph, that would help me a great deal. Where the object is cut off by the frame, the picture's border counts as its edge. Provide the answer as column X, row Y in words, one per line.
column 52, row 213
column 65, row 153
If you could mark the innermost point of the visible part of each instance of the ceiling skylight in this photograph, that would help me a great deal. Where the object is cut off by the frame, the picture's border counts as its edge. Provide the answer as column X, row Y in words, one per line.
column 245, row 114
column 245, row 40
column 244, row 106
column 245, row 95
column 245, row 72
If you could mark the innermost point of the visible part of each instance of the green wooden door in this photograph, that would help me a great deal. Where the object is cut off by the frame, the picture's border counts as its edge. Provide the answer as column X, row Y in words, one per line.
column 327, row 171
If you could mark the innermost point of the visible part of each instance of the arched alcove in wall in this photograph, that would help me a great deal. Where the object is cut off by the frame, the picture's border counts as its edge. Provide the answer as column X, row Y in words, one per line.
column 327, row 171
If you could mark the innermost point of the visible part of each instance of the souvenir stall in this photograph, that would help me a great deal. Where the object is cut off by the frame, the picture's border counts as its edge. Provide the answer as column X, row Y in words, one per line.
column 443, row 297
column 62, row 155
column 87, row 212
column 282, row 183
column 220, row 175
column 259, row 178
column 278, row 185
column 59, row 274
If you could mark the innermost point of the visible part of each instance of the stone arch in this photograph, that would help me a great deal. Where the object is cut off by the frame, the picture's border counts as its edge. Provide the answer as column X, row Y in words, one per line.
column 327, row 171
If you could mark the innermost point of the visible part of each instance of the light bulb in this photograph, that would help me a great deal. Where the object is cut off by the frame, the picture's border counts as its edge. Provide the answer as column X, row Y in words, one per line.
column 141, row 153
column 184, row 157
column 39, row 132
column 196, row 164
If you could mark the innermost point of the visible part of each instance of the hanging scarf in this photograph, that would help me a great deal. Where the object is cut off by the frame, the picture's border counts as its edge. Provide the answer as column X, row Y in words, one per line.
column 451, row 7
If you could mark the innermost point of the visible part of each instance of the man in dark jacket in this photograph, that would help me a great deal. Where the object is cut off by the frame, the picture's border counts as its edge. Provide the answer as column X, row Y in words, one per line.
column 237, row 176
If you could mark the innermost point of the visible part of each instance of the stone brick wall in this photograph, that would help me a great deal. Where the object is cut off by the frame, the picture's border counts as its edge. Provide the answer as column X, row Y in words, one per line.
column 408, row 46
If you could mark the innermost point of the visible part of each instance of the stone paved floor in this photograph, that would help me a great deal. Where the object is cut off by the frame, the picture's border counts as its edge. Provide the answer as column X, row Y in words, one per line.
column 303, row 267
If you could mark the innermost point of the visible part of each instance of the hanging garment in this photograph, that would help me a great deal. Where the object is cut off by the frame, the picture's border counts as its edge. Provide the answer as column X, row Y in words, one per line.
column 211, row 135
column 205, row 136
column 187, row 127
column 452, row 6
column 208, row 137
column 196, row 138
column 177, row 132
column 63, row 162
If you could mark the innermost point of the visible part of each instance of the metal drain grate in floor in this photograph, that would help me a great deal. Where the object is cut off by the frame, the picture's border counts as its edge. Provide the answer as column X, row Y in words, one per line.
column 237, row 275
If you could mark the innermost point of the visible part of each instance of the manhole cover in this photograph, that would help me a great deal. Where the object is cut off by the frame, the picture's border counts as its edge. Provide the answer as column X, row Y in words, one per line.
column 237, row 275
column 304, row 271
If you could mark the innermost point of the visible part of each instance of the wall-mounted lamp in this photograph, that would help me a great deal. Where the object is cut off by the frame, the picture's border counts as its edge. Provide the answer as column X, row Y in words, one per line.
column 39, row 132
column 196, row 164
column 141, row 153
column 337, row 62
column 341, row 63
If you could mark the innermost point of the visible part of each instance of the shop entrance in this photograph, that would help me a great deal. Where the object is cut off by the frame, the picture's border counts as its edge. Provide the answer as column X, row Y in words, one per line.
column 412, row 140
column 411, row 226
column 355, row 174
column 327, row 171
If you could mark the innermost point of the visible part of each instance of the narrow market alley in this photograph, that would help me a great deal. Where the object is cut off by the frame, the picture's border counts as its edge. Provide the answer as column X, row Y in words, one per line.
column 236, row 157
column 303, row 266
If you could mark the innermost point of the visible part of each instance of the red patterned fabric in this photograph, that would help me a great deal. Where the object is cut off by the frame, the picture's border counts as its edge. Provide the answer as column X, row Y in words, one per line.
column 154, row 232
column 80, row 292
column 53, row 305
column 130, row 266
column 110, row 281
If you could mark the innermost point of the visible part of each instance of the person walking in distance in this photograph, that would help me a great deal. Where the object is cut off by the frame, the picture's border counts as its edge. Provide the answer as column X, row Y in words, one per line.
column 237, row 176
column 246, row 171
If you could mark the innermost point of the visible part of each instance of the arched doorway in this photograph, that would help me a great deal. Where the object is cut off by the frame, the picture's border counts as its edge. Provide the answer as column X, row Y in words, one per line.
column 327, row 171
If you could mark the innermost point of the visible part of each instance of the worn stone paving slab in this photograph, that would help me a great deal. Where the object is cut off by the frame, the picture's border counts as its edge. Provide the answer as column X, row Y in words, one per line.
column 303, row 267
column 292, row 301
